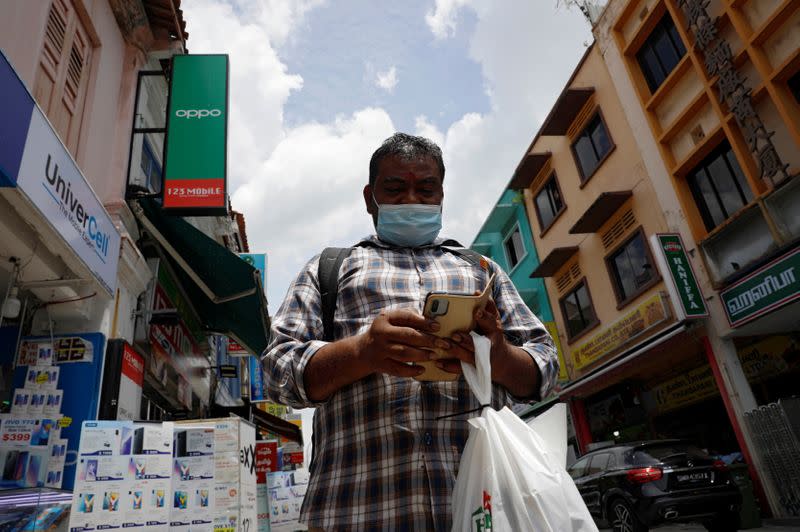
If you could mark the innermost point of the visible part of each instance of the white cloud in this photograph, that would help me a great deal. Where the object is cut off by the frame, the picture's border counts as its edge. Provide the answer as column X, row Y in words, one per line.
column 425, row 128
column 442, row 18
column 260, row 82
column 527, row 51
column 307, row 195
column 300, row 187
column 387, row 80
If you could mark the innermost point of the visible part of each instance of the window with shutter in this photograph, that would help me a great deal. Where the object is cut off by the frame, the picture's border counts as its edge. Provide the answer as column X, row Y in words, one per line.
column 63, row 73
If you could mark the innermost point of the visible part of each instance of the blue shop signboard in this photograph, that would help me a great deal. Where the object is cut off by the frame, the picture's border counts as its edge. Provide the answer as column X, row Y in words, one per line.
column 35, row 162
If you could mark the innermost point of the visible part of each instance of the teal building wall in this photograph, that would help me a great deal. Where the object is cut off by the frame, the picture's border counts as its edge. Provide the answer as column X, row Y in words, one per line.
column 508, row 212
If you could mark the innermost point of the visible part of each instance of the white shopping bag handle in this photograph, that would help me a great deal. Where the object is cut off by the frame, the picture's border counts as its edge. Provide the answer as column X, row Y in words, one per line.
column 479, row 376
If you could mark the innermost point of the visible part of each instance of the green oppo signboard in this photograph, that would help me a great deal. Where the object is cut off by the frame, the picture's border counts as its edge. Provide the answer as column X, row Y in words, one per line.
column 768, row 288
column 672, row 257
column 195, row 152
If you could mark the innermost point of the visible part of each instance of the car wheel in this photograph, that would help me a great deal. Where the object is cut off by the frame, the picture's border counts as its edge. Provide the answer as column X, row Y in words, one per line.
column 623, row 519
column 724, row 522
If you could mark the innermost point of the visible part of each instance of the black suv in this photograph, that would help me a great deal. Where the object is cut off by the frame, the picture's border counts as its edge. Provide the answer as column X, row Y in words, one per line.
column 634, row 486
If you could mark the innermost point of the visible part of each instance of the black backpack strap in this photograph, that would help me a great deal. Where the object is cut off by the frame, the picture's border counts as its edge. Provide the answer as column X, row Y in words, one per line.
column 469, row 255
column 328, row 273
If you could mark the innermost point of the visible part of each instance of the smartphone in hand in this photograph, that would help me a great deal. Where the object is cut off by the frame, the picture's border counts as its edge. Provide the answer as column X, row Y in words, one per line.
column 453, row 312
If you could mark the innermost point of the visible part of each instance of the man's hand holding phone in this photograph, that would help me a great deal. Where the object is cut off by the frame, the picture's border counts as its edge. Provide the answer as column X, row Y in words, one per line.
column 397, row 341
column 462, row 349
column 457, row 315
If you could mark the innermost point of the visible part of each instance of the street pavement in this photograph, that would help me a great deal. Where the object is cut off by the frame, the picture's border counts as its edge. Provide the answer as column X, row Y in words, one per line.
column 691, row 527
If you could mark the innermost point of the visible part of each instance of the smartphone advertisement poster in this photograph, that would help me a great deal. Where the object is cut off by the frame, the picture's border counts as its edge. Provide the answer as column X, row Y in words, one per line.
column 123, row 477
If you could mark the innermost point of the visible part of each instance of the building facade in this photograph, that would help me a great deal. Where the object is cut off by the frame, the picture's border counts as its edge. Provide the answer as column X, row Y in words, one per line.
column 506, row 238
column 711, row 90
column 96, row 281
column 594, row 212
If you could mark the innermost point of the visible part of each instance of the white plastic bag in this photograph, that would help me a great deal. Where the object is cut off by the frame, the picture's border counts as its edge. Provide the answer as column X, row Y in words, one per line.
column 512, row 476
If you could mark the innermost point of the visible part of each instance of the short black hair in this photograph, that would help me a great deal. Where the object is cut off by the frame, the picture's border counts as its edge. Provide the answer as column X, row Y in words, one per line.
column 407, row 147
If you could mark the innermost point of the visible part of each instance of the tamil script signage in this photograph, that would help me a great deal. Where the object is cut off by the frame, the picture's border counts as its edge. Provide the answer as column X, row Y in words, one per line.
column 676, row 268
column 195, row 168
column 644, row 317
column 768, row 288
column 33, row 160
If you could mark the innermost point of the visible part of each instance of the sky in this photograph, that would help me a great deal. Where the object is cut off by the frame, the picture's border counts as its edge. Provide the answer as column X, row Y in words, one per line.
column 317, row 85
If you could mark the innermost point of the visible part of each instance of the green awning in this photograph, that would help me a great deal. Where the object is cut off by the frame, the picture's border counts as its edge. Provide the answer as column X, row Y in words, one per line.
column 225, row 291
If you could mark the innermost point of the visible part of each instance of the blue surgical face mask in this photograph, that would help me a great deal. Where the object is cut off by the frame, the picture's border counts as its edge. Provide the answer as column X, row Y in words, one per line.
column 408, row 224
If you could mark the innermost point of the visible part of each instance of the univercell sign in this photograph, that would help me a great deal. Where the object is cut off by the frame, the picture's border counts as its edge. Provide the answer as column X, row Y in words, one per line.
column 33, row 159
column 195, row 156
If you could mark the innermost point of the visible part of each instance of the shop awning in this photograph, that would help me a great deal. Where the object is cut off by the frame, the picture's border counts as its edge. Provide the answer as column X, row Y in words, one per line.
column 600, row 211
column 225, row 290
column 599, row 377
column 554, row 260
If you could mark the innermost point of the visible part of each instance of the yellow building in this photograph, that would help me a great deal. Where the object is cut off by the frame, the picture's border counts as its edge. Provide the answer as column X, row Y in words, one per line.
column 712, row 90
column 660, row 190
column 594, row 210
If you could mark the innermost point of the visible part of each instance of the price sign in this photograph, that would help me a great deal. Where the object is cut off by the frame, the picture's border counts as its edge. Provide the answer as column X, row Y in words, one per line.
column 16, row 436
column 65, row 422
column 17, row 432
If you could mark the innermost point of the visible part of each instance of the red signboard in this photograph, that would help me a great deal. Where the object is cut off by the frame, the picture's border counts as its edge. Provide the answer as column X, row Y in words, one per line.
column 133, row 365
column 194, row 193
column 234, row 349
column 266, row 460
column 293, row 458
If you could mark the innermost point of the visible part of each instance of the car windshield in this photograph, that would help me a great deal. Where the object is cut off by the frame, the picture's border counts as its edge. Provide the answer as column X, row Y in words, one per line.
column 658, row 453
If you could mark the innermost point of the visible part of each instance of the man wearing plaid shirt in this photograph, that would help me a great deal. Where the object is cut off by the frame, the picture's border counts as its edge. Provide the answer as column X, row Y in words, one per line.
column 385, row 457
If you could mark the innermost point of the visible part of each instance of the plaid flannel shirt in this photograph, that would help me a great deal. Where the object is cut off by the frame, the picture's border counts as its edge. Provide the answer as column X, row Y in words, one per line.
column 381, row 458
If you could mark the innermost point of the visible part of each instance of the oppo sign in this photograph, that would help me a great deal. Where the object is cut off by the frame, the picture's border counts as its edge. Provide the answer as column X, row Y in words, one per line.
column 195, row 162
column 197, row 113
